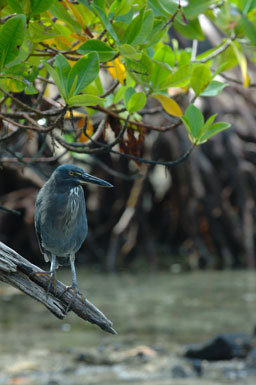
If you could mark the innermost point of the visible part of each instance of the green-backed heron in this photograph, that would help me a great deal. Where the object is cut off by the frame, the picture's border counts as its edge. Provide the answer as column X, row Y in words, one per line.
column 60, row 217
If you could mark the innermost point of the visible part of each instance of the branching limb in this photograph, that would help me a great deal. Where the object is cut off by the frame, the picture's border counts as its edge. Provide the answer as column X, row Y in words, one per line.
column 169, row 163
column 18, row 272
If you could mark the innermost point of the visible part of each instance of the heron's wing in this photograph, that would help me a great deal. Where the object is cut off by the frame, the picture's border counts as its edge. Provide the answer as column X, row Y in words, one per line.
column 39, row 238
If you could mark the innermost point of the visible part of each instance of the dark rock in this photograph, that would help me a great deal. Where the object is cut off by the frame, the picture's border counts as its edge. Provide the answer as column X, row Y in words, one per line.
column 251, row 359
column 179, row 371
column 197, row 366
column 222, row 347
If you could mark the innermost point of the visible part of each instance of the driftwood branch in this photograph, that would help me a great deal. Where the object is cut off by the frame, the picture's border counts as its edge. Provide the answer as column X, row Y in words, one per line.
column 18, row 272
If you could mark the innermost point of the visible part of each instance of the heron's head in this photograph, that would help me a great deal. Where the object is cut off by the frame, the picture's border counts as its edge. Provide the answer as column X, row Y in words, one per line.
column 71, row 176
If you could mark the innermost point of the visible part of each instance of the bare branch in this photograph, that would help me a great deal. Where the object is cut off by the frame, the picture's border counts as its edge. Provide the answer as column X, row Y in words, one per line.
column 9, row 211
column 169, row 163
column 132, row 122
column 18, row 272
column 219, row 50
column 83, row 148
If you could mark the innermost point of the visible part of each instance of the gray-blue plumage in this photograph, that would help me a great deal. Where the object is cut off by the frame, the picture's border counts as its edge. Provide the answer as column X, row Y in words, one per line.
column 60, row 216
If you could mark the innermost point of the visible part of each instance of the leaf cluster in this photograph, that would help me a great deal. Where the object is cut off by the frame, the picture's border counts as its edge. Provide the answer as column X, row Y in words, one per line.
column 80, row 44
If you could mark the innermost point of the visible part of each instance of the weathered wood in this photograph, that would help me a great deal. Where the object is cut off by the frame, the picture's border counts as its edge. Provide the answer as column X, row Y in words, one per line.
column 18, row 272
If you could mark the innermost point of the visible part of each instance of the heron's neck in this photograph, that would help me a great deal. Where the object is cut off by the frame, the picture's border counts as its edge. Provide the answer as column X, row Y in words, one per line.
column 63, row 188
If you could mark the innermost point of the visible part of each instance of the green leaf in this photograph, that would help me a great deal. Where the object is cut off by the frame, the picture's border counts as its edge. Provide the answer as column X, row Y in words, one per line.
column 180, row 78
column 11, row 36
column 86, row 69
column 126, row 18
column 30, row 90
column 136, row 102
column 194, row 121
column 24, row 51
column 143, row 66
column 16, row 5
column 99, row 6
column 195, row 7
column 214, row 88
column 208, row 123
column 119, row 94
column 157, row 8
column 166, row 56
column 63, row 68
column 134, row 28
column 200, row 78
column 169, row 6
column 130, row 52
column 104, row 51
column 84, row 100
column 56, row 79
column 213, row 130
column 249, row 29
column 58, row 10
column 191, row 31
column 157, row 33
column 39, row 6
column 146, row 28
column 127, row 95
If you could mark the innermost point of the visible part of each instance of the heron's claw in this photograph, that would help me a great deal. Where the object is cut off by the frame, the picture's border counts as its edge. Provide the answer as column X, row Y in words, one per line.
column 76, row 293
column 52, row 280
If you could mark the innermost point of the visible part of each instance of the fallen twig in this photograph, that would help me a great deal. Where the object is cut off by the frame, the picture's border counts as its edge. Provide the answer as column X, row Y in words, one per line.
column 18, row 272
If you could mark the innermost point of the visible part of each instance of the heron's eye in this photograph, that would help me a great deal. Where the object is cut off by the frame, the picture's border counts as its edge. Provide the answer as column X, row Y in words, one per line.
column 71, row 173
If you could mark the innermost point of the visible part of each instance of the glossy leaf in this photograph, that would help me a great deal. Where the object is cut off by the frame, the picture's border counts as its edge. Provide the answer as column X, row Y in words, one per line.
column 191, row 30
column 58, row 10
column 194, row 121
column 164, row 60
column 127, row 95
column 56, row 79
column 214, row 88
column 213, row 130
column 195, row 7
column 104, row 51
column 85, row 70
column 130, row 52
column 11, row 36
column 38, row 6
column 146, row 28
column 99, row 7
column 134, row 28
column 200, row 78
column 16, row 5
column 83, row 100
column 142, row 67
column 180, row 78
column 168, row 104
column 170, row 6
column 62, row 68
column 157, row 8
column 249, row 29
column 136, row 102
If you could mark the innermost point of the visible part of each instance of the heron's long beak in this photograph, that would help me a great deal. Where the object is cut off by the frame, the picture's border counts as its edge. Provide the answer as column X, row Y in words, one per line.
column 87, row 178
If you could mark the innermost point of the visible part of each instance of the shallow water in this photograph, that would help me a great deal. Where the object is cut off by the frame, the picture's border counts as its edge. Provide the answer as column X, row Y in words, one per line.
column 155, row 315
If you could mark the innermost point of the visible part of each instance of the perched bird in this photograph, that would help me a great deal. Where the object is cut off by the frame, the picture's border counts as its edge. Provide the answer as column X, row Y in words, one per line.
column 60, row 217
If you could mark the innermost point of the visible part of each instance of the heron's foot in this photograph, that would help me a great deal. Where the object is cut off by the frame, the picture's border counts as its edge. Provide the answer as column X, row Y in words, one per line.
column 52, row 280
column 39, row 273
column 76, row 292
